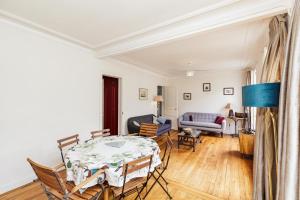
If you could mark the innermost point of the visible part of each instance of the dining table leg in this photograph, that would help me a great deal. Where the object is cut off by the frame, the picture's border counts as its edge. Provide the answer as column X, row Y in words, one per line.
column 106, row 194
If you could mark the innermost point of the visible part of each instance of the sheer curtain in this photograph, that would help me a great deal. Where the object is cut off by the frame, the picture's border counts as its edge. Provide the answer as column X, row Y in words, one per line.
column 250, row 80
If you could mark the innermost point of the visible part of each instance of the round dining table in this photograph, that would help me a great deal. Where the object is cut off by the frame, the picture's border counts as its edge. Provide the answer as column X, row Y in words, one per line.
column 111, row 152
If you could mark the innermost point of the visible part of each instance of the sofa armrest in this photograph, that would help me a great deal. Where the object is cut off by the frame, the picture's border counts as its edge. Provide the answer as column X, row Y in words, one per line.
column 223, row 125
column 168, row 121
column 179, row 120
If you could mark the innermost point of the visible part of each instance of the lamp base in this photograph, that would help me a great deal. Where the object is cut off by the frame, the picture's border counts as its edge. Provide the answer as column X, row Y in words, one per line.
column 246, row 144
column 230, row 113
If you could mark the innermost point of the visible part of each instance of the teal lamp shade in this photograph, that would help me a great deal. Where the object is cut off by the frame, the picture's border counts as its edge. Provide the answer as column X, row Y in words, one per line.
column 261, row 95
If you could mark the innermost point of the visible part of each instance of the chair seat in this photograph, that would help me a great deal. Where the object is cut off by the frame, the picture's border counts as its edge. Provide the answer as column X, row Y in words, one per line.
column 63, row 174
column 75, row 196
column 88, row 194
column 136, row 182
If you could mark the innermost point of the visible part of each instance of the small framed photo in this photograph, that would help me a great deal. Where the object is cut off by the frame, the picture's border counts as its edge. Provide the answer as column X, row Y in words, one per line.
column 228, row 91
column 206, row 87
column 143, row 93
column 187, row 96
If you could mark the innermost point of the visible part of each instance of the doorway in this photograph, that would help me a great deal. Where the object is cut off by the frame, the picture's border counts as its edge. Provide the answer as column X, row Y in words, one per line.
column 160, row 105
column 111, row 104
column 171, row 105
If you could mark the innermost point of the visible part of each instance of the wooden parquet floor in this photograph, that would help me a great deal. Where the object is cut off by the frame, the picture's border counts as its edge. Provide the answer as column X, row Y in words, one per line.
column 214, row 171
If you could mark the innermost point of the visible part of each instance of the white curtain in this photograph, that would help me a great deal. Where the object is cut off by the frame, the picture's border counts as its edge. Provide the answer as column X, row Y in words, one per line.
column 250, row 80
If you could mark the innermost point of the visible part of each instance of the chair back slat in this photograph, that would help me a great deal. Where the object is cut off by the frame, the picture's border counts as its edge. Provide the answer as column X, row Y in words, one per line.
column 68, row 141
column 100, row 133
column 148, row 129
column 136, row 165
column 73, row 139
column 48, row 177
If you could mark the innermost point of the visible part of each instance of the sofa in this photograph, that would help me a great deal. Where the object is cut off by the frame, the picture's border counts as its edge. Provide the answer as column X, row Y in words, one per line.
column 202, row 121
column 133, row 128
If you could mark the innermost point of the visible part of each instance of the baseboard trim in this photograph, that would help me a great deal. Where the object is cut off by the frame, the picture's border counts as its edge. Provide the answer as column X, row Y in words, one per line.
column 7, row 188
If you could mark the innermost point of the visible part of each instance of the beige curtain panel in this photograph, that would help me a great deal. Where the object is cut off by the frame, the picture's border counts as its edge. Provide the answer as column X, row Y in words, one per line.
column 277, row 148
column 266, row 145
column 288, row 186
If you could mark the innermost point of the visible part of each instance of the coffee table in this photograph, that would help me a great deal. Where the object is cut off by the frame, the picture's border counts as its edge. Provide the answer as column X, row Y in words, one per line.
column 189, row 139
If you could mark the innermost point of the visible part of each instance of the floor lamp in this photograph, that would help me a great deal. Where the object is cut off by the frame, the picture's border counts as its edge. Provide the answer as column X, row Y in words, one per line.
column 158, row 99
column 264, row 95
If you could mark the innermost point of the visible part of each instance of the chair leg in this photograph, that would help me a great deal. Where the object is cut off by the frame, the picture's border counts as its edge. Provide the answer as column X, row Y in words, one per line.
column 121, row 196
column 145, row 185
column 164, row 189
column 157, row 181
column 150, row 187
column 166, row 182
column 49, row 196
column 139, row 192
column 62, row 156
column 100, row 193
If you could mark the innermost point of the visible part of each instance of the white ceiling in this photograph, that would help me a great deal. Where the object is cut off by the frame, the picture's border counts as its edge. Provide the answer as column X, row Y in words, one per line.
column 163, row 36
column 95, row 22
column 232, row 47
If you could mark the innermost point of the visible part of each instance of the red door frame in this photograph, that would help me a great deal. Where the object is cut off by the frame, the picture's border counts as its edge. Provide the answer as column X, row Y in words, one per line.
column 111, row 104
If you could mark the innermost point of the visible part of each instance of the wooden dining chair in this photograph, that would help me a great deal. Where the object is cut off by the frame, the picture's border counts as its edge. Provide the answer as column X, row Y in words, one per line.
column 148, row 130
column 64, row 142
column 136, row 184
column 100, row 133
column 57, row 187
column 157, row 174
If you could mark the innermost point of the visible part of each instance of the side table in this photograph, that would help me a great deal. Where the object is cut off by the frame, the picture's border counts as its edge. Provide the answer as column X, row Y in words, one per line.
column 189, row 139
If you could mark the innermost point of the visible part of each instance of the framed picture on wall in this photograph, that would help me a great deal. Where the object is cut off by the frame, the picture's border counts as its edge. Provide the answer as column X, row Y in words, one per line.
column 206, row 87
column 228, row 91
column 143, row 93
column 187, row 96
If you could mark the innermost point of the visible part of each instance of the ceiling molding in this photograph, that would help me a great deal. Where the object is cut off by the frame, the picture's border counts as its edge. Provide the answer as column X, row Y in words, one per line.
column 27, row 23
column 169, row 22
column 214, row 17
column 35, row 26
column 143, row 66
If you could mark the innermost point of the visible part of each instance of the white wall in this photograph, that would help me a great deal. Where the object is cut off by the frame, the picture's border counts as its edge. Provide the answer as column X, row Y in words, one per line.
column 50, row 89
column 214, row 101
column 133, row 78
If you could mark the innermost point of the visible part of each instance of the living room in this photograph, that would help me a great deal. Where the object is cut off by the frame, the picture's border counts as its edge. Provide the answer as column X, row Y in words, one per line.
column 79, row 71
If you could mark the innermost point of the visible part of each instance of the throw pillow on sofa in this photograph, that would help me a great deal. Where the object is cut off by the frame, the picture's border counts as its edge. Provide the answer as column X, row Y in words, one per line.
column 161, row 120
column 155, row 120
column 191, row 118
column 219, row 120
column 136, row 123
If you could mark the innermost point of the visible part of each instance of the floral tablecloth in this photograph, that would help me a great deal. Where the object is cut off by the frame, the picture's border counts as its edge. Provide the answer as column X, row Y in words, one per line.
column 83, row 160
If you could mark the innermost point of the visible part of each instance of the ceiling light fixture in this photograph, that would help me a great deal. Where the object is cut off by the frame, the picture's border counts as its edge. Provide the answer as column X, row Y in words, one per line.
column 190, row 73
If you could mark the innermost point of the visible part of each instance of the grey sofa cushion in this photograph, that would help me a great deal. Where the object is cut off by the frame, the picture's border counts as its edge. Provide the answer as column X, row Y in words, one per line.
column 200, row 117
column 186, row 117
column 202, row 124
